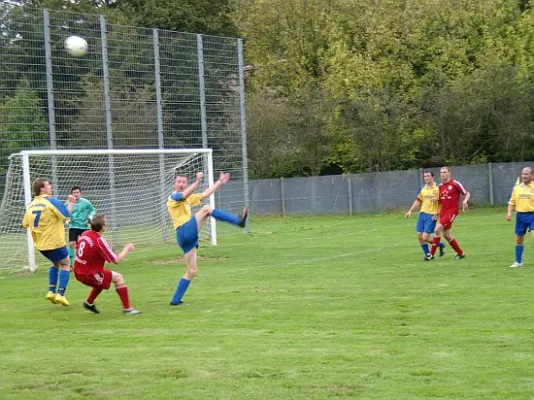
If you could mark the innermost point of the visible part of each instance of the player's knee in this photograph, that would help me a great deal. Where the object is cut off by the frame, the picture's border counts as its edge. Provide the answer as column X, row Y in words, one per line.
column 192, row 270
column 118, row 279
column 206, row 209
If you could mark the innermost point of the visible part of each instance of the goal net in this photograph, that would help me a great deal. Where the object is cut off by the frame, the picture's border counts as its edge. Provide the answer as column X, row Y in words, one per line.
column 130, row 187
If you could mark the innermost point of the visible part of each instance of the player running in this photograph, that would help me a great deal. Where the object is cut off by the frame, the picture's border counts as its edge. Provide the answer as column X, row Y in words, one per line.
column 80, row 216
column 187, row 226
column 428, row 198
column 92, row 252
column 450, row 191
column 522, row 199
column 46, row 216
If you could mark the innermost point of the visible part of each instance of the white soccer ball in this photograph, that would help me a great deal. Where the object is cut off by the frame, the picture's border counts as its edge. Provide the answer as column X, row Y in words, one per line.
column 76, row 46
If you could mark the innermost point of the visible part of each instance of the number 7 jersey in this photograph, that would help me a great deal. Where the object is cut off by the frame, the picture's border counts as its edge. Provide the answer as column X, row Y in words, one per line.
column 45, row 216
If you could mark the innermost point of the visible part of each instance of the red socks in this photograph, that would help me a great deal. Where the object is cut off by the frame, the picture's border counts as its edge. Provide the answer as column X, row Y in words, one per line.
column 123, row 294
column 454, row 245
column 93, row 295
column 435, row 244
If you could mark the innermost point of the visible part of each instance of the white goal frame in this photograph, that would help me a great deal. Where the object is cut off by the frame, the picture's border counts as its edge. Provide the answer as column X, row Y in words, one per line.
column 26, row 154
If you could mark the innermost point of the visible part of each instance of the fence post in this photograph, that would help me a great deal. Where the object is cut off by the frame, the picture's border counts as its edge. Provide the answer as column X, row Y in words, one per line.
column 161, row 139
column 490, row 182
column 50, row 92
column 242, row 111
column 202, row 91
column 109, row 127
column 283, row 196
column 420, row 179
column 349, row 183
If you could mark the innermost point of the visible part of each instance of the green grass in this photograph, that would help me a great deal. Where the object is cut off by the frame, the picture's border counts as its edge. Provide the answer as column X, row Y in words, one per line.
column 305, row 308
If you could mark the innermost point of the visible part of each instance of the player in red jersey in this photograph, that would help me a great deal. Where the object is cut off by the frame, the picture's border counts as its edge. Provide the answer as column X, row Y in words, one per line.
column 92, row 251
column 450, row 192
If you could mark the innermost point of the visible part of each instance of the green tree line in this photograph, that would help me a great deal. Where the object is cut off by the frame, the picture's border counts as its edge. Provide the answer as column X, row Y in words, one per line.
column 337, row 86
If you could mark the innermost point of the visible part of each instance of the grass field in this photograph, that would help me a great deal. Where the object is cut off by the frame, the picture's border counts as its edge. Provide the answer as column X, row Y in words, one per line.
column 305, row 308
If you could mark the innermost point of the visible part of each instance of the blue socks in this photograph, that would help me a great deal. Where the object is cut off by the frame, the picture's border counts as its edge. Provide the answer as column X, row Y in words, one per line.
column 441, row 245
column 519, row 253
column 181, row 288
column 52, row 279
column 224, row 216
column 63, row 281
column 425, row 248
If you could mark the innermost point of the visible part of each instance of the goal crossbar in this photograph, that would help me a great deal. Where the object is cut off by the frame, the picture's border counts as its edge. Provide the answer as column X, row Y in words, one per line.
column 108, row 152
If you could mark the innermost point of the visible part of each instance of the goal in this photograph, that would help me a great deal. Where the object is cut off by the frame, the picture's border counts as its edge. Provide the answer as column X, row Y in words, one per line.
column 130, row 187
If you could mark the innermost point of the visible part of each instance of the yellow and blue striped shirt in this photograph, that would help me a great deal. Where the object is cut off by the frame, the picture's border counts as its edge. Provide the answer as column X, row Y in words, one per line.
column 429, row 199
column 45, row 216
column 179, row 209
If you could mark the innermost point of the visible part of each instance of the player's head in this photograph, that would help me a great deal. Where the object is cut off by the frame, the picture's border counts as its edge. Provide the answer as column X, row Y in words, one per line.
column 445, row 173
column 98, row 223
column 76, row 191
column 180, row 183
column 42, row 186
column 428, row 176
column 526, row 175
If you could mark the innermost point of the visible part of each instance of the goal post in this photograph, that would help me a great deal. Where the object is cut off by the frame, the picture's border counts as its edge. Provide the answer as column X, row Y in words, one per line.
column 129, row 186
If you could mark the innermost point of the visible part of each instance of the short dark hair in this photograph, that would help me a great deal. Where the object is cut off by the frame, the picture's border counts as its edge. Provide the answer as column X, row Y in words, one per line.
column 75, row 188
column 38, row 184
column 429, row 172
column 98, row 222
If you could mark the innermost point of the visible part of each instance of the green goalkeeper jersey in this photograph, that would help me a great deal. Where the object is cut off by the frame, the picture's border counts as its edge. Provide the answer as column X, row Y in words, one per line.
column 82, row 212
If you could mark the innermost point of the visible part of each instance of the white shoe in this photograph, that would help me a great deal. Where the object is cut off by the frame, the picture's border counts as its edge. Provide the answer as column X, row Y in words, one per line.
column 516, row 264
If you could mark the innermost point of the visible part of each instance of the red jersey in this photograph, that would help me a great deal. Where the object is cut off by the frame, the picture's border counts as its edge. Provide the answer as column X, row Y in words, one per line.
column 92, row 251
column 450, row 196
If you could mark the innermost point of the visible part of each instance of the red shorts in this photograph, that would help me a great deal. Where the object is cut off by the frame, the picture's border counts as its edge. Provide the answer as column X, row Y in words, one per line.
column 102, row 280
column 447, row 219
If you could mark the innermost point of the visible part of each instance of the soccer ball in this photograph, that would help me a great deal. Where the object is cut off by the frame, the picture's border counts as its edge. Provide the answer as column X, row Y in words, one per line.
column 76, row 46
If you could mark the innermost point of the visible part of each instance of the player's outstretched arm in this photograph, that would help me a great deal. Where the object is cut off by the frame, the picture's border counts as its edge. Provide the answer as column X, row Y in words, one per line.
column 413, row 207
column 223, row 178
column 191, row 188
column 128, row 248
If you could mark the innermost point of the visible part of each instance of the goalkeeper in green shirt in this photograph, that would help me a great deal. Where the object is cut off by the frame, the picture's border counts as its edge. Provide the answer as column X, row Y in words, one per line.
column 82, row 213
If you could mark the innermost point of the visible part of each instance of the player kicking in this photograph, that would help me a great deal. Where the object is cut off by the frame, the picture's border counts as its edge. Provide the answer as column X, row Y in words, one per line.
column 81, row 215
column 92, row 252
column 428, row 198
column 46, row 216
column 522, row 200
column 450, row 191
column 187, row 226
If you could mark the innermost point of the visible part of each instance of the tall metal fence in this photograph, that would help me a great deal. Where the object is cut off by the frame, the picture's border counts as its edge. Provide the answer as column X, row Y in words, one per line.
column 489, row 184
column 136, row 88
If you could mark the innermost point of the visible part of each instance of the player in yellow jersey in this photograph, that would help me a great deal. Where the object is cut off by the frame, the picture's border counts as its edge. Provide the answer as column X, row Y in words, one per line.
column 187, row 226
column 522, row 200
column 428, row 198
column 45, row 216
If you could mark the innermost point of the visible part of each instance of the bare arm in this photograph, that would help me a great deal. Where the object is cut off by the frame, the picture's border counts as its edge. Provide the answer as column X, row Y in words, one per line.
column 510, row 211
column 413, row 207
column 190, row 190
column 70, row 203
column 467, row 196
column 225, row 177
column 129, row 247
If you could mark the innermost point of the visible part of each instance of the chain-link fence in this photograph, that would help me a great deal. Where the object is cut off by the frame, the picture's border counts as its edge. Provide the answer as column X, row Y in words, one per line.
column 489, row 184
column 136, row 88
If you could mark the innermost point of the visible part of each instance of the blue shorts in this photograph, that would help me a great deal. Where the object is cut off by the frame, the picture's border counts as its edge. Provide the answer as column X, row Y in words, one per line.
column 56, row 255
column 425, row 223
column 524, row 222
column 187, row 235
